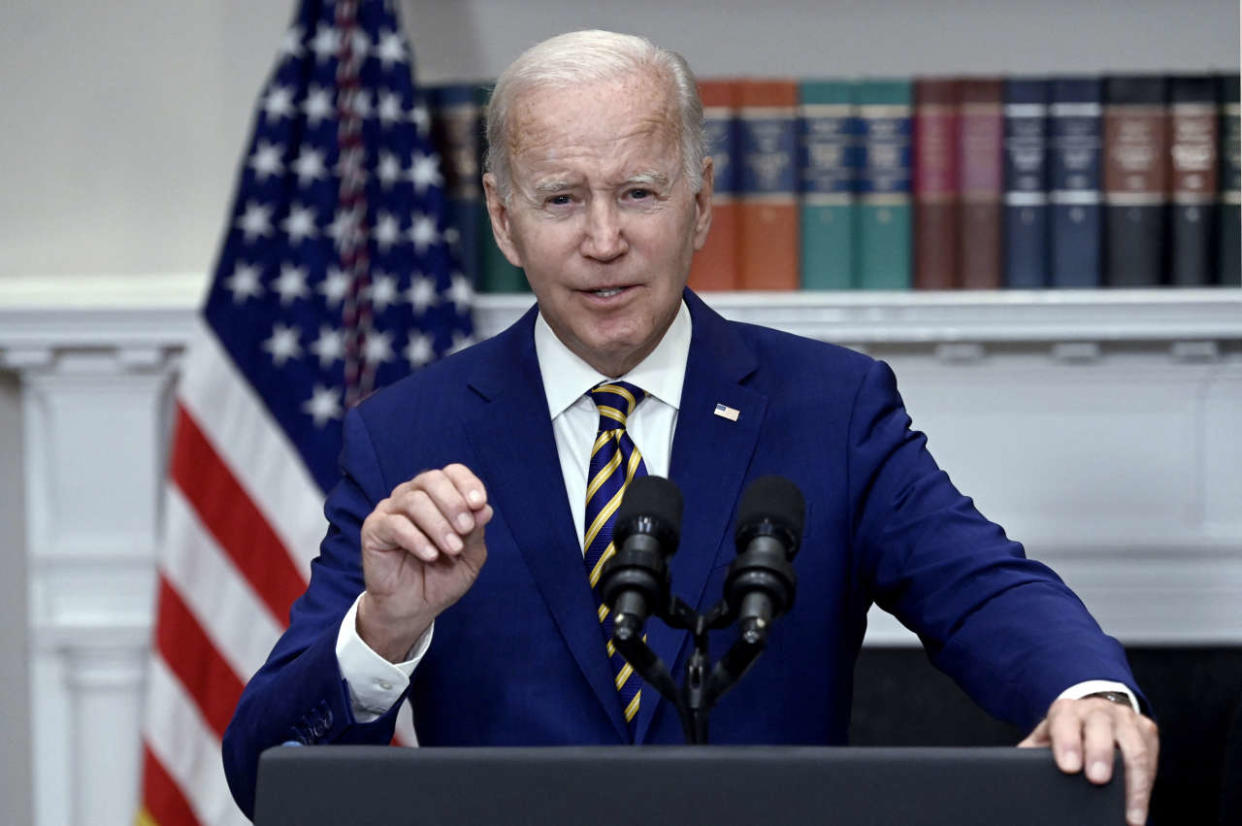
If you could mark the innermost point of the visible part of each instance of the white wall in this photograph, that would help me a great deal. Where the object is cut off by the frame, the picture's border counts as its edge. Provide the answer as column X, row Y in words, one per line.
column 124, row 120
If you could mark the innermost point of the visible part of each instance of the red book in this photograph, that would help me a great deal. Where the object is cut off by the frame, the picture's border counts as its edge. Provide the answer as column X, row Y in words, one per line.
column 935, row 184
column 715, row 266
column 768, row 187
column 981, row 132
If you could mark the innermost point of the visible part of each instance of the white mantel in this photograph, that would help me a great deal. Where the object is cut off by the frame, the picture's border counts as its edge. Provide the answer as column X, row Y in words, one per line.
column 1102, row 428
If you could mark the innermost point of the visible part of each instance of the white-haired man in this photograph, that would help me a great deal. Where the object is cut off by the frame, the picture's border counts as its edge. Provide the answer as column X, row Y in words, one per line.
column 600, row 189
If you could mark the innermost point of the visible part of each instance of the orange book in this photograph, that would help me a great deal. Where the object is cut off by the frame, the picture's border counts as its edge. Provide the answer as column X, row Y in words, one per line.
column 767, row 184
column 715, row 266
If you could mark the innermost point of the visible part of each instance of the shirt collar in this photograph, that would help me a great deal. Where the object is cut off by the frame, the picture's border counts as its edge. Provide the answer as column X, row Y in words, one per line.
column 566, row 377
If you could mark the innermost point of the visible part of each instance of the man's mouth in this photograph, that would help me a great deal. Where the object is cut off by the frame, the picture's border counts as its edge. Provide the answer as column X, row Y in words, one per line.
column 607, row 293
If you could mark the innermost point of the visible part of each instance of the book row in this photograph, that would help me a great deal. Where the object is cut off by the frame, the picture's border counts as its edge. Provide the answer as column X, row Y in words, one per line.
column 936, row 183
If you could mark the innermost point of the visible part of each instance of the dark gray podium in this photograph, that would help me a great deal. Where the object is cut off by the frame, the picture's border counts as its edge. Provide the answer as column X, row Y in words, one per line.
column 677, row 786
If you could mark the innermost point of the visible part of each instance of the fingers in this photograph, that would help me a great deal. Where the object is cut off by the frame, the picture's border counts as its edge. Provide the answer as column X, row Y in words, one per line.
column 434, row 513
column 1085, row 733
column 1140, row 748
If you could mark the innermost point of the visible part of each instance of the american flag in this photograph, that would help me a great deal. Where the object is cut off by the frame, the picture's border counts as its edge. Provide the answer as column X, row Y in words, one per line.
column 337, row 276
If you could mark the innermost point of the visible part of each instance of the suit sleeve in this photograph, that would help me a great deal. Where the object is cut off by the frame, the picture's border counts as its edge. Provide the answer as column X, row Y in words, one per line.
column 299, row 696
column 1006, row 628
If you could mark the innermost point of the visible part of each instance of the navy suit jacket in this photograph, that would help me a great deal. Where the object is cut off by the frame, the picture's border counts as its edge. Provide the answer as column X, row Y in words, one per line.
column 520, row 658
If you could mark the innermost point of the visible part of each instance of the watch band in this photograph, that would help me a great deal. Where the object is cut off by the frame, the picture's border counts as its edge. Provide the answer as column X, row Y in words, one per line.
column 1118, row 697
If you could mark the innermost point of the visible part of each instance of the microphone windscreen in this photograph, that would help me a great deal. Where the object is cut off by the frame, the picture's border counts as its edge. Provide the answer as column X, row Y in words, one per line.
column 775, row 498
column 653, row 497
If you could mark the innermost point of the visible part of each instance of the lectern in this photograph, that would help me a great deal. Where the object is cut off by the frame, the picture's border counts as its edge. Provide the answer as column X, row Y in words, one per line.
column 676, row 786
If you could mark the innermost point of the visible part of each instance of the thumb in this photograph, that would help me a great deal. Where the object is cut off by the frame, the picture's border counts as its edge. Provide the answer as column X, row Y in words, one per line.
column 1038, row 738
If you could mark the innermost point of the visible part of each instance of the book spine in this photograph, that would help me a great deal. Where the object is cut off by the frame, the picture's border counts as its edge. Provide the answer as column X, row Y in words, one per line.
column 767, row 149
column 1193, row 144
column 715, row 265
column 935, row 184
column 1075, row 165
column 826, row 133
column 1229, row 207
column 1136, row 180
column 454, row 133
column 884, row 213
column 1026, row 219
column 498, row 275
column 981, row 163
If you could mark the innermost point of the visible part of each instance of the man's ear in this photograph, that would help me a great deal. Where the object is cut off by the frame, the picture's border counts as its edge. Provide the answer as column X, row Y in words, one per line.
column 498, row 212
column 703, row 204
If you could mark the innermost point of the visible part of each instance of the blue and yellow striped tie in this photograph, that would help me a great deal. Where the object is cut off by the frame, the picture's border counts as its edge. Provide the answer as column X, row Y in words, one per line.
column 615, row 460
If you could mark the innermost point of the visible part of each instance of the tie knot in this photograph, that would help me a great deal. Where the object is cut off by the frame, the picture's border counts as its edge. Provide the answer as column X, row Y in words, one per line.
column 615, row 401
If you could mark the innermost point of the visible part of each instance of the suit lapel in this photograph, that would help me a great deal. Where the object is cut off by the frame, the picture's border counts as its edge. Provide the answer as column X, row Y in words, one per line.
column 711, row 454
column 513, row 439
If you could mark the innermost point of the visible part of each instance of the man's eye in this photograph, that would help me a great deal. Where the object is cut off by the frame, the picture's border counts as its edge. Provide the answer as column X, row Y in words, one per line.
column 558, row 200
column 640, row 194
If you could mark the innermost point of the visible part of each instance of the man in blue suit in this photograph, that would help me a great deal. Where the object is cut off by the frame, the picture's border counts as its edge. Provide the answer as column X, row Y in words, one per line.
column 600, row 188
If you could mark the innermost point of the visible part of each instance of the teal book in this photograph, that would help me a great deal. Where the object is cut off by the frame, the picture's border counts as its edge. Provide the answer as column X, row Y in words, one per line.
column 454, row 132
column 496, row 274
column 826, row 144
column 883, row 236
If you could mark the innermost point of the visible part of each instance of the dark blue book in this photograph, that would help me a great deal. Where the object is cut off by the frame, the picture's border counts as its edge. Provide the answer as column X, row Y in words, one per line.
column 1075, row 171
column 1194, row 142
column 1026, row 219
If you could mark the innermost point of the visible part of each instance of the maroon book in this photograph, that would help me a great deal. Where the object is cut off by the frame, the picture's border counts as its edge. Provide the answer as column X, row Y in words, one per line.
column 935, row 184
column 981, row 129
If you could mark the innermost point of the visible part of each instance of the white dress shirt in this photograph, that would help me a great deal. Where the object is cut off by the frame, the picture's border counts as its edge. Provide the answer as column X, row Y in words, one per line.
column 375, row 684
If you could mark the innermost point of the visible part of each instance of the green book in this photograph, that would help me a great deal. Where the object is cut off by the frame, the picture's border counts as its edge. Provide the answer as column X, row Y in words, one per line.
column 883, row 242
column 826, row 132
column 496, row 274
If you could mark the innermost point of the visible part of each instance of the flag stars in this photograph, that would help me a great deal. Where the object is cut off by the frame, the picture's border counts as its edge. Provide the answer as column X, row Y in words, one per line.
column 425, row 172
column 389, row 108
column 283, row 344
column 387, row 231
column 388, row 170
column 423, row 232
column 383, row 291
column 329, row 347
column 266, row 160
column 291, row 284
column 309, row 166
column 459, row 293
column 244, row 282
column 325, row 43
column 256, row 221
column 360, row 104
column 344, row 228
column 378, row 348
column 460, row 342
column 418, row 350
column 389, row 49
column 318, row 105
column 422, row 293
column 278, row 103
column 300, row 224
column 291, row 43
column 420, row 119
column 335, row 286
column 360, row 44
column 324, row 405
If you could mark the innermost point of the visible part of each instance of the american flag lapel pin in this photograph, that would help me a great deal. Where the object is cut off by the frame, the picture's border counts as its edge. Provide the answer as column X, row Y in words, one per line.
column 726, row 412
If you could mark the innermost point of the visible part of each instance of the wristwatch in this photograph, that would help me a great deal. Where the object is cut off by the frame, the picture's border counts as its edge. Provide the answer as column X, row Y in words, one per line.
column 1118, row 697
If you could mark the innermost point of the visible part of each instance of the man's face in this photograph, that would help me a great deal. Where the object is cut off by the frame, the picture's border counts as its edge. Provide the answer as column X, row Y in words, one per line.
column 600, row 215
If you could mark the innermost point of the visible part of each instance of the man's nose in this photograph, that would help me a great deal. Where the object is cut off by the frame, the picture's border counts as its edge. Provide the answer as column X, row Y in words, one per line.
column 603, row 238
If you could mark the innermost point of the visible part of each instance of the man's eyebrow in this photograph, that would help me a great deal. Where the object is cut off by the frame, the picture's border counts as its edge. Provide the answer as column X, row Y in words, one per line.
column 657, row 179
column 554, row 185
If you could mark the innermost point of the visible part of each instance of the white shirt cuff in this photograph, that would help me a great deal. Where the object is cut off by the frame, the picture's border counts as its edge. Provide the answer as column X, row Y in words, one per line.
column 1077, row 692
column 375, row 684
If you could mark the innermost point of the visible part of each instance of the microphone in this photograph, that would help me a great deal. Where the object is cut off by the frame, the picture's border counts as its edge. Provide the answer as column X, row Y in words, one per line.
column 760, row 584
column 635, row 581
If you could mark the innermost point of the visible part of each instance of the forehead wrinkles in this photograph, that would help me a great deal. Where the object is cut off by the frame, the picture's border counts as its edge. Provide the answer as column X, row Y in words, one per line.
column 549, row 123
